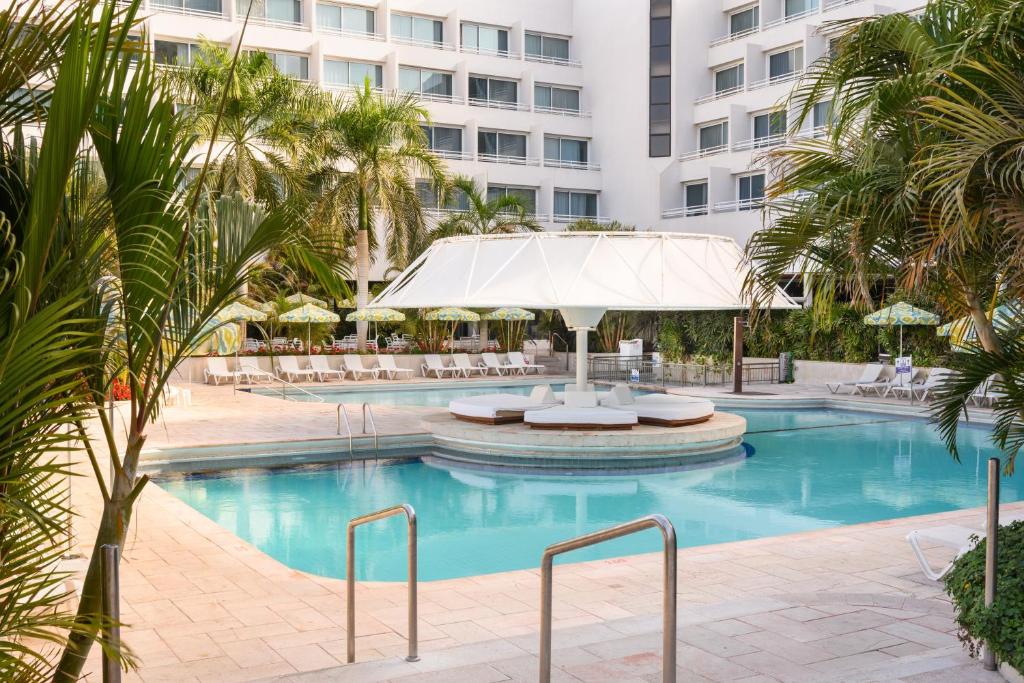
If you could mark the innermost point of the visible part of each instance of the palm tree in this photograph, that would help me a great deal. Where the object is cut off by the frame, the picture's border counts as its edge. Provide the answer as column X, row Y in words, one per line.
column 376, row 150
column 268, row 131
column 501, row 215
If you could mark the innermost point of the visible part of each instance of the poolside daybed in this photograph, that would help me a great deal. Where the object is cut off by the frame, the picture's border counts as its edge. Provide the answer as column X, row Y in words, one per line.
column 580, row 412
column 501, row 408
column 662, row 410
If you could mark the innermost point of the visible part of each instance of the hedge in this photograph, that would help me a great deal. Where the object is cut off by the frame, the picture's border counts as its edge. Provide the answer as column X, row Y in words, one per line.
column 1000, row 627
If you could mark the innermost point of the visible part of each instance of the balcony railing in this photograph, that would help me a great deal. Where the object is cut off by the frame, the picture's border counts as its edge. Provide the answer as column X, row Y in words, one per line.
column 754, row 143
column 560, row 111
column 760, row 143
column 498, row 104
column 451, row 155
column 792, row 17
column 543, row 59
column 487, row 52
column 438, row 97
column 686, row 211
column 719, row 94
column 419, row 42
column 507, row 159
column 578, row 165
column 739, row 205
column 349, row 33
column 705, row 152
column 773, row 80
column 278, row 23
column 734, row 36
column 572, row 218
column 346, row 87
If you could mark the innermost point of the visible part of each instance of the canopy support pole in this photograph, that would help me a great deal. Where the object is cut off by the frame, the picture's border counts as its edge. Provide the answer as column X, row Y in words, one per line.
column 581, row 358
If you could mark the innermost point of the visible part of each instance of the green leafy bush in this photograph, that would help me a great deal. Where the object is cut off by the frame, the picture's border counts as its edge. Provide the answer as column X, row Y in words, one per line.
column 1001, row 626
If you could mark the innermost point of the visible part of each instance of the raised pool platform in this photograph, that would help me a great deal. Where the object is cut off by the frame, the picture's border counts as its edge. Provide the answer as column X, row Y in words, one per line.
column 643, row 447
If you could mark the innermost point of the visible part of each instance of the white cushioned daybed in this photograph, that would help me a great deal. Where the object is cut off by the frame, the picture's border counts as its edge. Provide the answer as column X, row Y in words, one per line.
column 497, row 409
column 581, row 412
column 663, row 410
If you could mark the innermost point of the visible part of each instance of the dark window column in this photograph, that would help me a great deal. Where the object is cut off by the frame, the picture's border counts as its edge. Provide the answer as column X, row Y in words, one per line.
column 660, row 91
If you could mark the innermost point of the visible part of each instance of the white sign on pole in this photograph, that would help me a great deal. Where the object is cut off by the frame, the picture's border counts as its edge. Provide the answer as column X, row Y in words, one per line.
column 904, row 365
column 634, row 376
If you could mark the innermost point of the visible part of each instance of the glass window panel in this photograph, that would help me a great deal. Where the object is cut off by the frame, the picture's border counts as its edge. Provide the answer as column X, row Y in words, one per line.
column 534, row 45
column 447, row 139
column 661, row 89
column 423, row 29
column 335, row 72
column 495, row 193
column 661, row 8
column 661, row 32
column 565, row 99
column 438, row 31
column 358, row 19
column 401, row 25
column 744, row 21
column 583, row 204
column 714, row 136
column 574, row 151
column 358, row 73
column 426, row 193
column 542, row 96
column 696, row 195
column 169, row 52
column 527, row 196
column 822, row 114
column 457, row 200
column 329, row 16
column 552, row 149
column 728, row 79
column 284, row 10
column 487, row 142
column 661, row 61
column 470, row 36
column 661, row 118
column 780, row 64
column 477, row 88
column 798, row 6
column 429, row 133
column 408, row 79
column 488, row 39
column 436, row 83
column 503, row 91
column 556, row 48
column 511, row 145
column 660, row 146
column 561, row 203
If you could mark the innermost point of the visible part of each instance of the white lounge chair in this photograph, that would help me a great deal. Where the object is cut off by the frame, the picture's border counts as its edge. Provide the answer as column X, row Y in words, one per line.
column 501, row 408
column 958, row 538
column 288, row 368
column 580, row 412
column 935, row 378
column 880, row 386
column 517, row 360
column 870, row 374
column 386, row 364
column 662, row 410
column 217, row 369
column 432, row 364
column 354, row 365
column 489, row 361
column 462, row 362
column 253, row 372
column 323, row 370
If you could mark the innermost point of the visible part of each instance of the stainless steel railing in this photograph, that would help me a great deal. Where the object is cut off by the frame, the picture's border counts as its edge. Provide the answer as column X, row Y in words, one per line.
column 350, row 576
column 285, row 383
column 668, row 533
column 369, row 409
column 343, row 413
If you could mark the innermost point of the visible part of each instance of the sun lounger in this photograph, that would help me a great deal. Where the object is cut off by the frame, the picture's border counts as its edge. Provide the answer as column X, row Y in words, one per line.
column 920, row 391
column 288, row 368
column 663, row 410
column 879, row 387
column 958, row 538
column 461, row 361
column 517, row 360
column 253, row 372
column 501, row 408
column 386, row 364
column 354, row 366
column 217, row 369
column 323, row 370
column 433, row 365
column 490, row 361
column 580, row 412
column 870, row 374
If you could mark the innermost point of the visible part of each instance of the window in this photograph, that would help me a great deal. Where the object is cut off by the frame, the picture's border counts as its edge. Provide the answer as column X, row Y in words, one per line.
column 821, row 114
column 561, row 151
column 714, row 136
column 213, row 6
column 729, row 79
column 345, row 18
column 501, row 146
column 427, row 83
column 745, row 21
column 444, row 141
column 795, row 7
column 782, row 64
column 526, row 195
column 659, row 119
column 695, row 198
column 751, row 191
column 296, row 66
column 573, row 204
column 496, row 90
column 417, row 29
column 769, row 126
column 486, row 40
column 430, row 197
column 287, row 11
column 544, row 48
column 553, row 97
column 340, row 72
column 833, row 47
column 175, row 54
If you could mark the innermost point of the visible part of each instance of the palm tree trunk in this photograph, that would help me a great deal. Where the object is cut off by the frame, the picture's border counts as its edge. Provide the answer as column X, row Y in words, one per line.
column 982, row 325
column 362, row 266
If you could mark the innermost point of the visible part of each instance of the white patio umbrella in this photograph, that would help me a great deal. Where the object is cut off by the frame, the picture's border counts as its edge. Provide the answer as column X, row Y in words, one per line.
column 309, row 314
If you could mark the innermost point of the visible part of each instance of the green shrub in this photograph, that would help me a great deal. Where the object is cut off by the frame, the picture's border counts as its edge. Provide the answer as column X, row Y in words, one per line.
column 1001, row 626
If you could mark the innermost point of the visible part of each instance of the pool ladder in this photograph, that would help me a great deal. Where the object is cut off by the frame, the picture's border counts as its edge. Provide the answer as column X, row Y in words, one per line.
column 367, row 411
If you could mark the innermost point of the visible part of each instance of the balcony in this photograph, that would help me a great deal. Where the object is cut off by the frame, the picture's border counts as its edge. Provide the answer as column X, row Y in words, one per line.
column 773, row 80
column 739, row 205
column 765, row 142
column 419, row 42
column 577, row 165
column 560, row 61
column 349, row 33
column 502, row 54
column 181, row 7
column 451, row 155
column 557, row 111
column 277, row 23
column 719, row 94
column 733, row 36
column 791, row 18
column 506, row 159
column 686, row 211
column 498, row 104
column 569, row 218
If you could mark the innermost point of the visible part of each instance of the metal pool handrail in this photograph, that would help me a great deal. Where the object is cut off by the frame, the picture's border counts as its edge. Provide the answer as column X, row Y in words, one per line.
column 350, row 576
column 342, row 411
column 668, row 533
column 286, row 383
column 368, row 408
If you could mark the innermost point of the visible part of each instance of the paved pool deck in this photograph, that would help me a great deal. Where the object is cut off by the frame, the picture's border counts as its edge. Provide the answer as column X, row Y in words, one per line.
column 200, row 604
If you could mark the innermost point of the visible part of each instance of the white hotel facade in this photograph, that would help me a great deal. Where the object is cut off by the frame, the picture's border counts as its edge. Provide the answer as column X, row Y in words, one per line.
column 651, row 112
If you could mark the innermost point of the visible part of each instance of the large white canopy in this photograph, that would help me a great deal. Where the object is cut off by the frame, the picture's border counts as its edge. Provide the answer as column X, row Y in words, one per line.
column 643, row 271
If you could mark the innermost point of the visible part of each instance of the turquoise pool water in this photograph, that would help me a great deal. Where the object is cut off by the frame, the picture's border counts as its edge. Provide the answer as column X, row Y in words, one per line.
column 436, row 397
column 806, row 470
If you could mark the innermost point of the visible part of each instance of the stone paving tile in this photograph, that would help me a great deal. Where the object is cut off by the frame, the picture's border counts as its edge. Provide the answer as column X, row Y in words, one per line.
column 478, row 673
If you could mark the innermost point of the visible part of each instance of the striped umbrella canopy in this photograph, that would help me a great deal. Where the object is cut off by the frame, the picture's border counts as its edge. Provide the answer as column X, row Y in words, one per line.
column 376, row 315
column 305, row 299
column 901, row 315
column 509, row 314
column 239, row 311
column 453, row 314
column 308, row 313
column 962, row 334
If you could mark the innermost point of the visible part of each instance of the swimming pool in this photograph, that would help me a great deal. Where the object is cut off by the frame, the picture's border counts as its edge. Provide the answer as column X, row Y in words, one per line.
column 430, row 396
column 808, row 469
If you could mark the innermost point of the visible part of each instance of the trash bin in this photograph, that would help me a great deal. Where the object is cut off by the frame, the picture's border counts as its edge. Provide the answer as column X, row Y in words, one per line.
column 786, row 367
